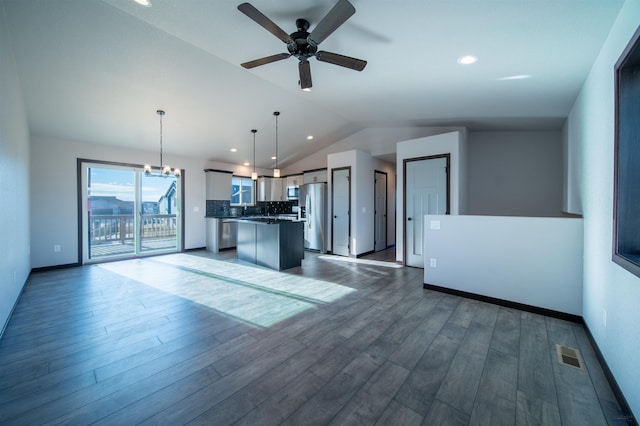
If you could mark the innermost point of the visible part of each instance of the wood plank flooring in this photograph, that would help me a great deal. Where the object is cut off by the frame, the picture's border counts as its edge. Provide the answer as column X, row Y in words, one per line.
column 200, row 338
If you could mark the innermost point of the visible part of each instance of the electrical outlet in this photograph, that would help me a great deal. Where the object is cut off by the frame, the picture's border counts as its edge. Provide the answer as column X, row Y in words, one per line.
column 433, row 263
column 56, row 248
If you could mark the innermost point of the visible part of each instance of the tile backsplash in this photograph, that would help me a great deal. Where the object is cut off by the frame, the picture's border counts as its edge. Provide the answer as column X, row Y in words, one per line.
column 223, row 208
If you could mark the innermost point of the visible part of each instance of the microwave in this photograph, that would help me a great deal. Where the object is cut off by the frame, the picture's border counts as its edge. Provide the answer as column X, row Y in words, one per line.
column 292, row 192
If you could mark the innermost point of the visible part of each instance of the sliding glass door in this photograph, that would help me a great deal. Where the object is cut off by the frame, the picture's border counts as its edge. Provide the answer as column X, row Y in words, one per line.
column 127, row 213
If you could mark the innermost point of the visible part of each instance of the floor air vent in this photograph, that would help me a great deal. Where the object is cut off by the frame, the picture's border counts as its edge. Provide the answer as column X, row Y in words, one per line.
column 569, row 357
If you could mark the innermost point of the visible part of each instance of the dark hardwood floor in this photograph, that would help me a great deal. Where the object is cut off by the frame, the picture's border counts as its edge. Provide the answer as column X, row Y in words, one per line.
column 200, row 338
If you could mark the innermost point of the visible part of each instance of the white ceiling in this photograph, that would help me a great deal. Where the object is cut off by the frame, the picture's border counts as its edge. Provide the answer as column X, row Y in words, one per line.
column 97, row 70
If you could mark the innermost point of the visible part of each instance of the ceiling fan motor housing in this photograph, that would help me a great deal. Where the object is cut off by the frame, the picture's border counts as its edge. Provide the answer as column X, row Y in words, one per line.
column 301, row 48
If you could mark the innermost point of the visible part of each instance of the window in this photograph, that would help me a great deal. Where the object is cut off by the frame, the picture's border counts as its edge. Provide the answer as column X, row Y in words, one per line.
column 626, row 220
column 242, row 190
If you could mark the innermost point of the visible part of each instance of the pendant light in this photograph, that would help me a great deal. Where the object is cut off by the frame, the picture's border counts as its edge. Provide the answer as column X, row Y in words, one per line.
column 254, row 175
column 165, row 170
column 276, row 171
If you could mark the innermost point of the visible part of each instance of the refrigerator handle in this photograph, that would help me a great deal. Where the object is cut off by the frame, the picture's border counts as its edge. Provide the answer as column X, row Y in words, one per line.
column 307, row 207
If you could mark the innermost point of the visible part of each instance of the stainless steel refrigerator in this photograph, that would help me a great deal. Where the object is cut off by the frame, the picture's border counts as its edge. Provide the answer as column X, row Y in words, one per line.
column 313, row 210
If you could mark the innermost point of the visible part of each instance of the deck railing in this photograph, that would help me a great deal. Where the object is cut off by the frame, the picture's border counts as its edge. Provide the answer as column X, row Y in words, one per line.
column 120, row 228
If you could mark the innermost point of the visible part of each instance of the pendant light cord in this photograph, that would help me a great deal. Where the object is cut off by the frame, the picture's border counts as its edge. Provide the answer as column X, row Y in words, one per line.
column 276, row 114
column 160, row 113
column 254, row 131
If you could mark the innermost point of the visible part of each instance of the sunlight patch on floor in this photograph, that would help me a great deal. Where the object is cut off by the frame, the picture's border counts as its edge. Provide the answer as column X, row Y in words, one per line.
column 259, row 296
column 361, row 261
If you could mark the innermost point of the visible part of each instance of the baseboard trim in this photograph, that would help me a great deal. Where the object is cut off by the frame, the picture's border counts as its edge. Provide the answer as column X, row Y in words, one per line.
column 54, row 267
column 627, row 416
column 508, row 303
column 15, row 304
column 358, row 256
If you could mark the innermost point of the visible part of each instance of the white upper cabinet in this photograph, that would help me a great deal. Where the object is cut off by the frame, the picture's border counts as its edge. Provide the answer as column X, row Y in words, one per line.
column 315, row 176
column 218, row 185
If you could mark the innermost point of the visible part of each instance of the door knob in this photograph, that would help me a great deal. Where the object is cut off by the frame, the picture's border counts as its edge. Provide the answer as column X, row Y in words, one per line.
column 409, row 218
column 335, row 217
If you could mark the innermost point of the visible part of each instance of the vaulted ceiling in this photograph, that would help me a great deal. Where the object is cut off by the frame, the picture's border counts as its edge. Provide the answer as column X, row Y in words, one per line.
column 96, row 71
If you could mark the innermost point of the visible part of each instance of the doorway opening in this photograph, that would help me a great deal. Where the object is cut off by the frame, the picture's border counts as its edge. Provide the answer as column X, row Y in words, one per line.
column 380, row 212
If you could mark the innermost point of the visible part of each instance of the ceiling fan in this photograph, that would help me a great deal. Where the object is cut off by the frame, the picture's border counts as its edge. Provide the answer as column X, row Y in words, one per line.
column 303, row 44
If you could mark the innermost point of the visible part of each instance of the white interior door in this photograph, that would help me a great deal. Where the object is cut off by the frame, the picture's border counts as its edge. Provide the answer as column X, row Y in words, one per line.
column 380, row 211
column 340, row 218
column 425, row 193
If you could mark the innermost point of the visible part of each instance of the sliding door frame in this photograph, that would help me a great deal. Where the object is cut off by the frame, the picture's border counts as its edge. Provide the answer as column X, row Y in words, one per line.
column 80, row 163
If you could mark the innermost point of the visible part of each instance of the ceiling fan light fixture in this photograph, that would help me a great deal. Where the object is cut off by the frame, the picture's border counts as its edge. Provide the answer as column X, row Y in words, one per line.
column 303, row 44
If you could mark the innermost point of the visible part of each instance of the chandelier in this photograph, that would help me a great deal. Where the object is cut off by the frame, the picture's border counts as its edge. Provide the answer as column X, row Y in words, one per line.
column 165, row 169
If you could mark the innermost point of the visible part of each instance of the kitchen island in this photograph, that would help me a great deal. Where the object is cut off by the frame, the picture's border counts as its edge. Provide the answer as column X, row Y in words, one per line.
column 275, row 243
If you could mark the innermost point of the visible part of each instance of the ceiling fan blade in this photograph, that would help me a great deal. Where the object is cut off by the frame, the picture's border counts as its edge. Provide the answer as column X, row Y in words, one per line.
column 305, row 75
column 331, row 21
column 265, row 22
column 265, row 60
column 341, row 60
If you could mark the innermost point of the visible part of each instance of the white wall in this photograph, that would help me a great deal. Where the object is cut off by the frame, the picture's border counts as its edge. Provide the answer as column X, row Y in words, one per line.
column 54, row 194
column 611, row 294
column 377, row 141
column 534, row 261
column 453, row 143
column 515, row 173
column 14, row 180
column 362, row 199
column 363, row 211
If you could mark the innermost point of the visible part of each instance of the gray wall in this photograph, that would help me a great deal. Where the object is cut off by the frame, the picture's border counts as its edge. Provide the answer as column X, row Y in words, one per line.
column 515, row 173
column 14, row 180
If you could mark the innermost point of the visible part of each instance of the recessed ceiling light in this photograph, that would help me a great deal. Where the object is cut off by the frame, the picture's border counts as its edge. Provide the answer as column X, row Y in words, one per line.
column 145, row 3
column 516, row 77
column 310, row 137
column 308, row 89
column 233, row 150
column 246, row 163
column 273, row 158
column 467, row 59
